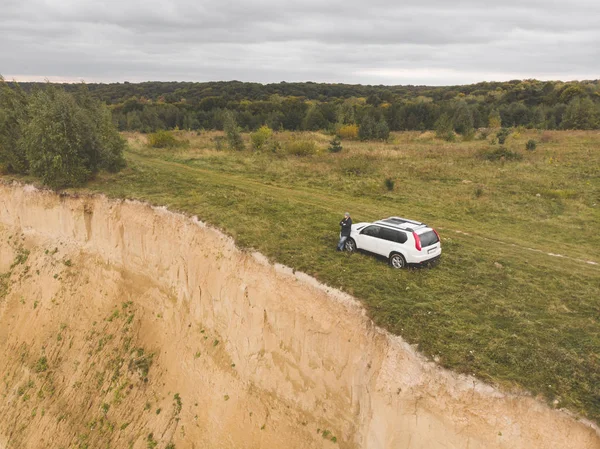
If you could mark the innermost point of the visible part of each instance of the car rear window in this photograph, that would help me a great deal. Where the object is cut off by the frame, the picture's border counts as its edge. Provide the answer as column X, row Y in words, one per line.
column 428, row 238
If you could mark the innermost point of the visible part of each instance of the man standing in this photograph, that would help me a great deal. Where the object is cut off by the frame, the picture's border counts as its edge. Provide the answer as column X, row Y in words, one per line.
column 346, row 225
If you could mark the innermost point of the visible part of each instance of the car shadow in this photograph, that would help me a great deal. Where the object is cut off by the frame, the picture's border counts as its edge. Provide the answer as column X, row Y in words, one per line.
column 416, row 266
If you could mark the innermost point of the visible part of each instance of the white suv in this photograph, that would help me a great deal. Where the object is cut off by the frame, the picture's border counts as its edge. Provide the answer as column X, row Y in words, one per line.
column 401, row 240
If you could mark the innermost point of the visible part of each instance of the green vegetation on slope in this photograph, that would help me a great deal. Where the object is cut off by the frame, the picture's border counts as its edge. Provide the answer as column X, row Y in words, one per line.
column 497, row 305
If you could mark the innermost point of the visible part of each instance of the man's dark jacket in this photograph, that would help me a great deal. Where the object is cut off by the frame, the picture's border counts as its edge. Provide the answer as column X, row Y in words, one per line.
column 346, row 225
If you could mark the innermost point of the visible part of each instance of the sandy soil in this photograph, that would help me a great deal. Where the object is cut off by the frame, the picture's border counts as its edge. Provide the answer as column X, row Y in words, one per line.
column 127, row 326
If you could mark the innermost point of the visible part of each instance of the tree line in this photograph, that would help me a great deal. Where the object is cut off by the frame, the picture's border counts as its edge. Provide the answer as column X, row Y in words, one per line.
column 152, row 106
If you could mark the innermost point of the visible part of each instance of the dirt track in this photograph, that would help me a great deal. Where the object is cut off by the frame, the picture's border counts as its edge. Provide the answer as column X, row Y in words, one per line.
column 126, row 325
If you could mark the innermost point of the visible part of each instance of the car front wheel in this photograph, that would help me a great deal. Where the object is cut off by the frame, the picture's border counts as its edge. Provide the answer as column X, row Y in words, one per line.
column 397, row 260
column 350, row 245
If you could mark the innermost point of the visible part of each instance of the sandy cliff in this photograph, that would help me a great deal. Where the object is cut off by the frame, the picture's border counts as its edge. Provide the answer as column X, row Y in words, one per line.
column 123, row 325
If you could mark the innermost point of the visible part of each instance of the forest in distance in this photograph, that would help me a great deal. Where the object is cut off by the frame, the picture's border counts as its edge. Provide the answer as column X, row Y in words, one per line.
column 152, row 106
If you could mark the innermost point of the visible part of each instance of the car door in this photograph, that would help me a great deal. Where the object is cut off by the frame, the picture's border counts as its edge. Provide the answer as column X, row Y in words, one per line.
column 391, row 240
column 369, row 237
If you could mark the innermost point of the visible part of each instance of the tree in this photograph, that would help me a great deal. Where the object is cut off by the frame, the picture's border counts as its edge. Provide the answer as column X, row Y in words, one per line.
column 366, row 129
column 382, row 131
column 444, row 129
column 13, row 112
column 345, row 113
column 494, row 120
column 463, row 119
column 581, row 114
column 314, row 119
column 67, row 139
column 374, row 100
column 232, row 132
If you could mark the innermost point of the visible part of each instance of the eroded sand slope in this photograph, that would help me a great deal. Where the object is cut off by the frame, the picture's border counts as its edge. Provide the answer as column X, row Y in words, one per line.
column 123, row 325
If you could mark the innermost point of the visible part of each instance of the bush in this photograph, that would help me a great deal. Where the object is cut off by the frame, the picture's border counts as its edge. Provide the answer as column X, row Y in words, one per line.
column 335, row 146
column 502, row 135
column 389, row 184
column 531, row 145
column 69, row 138
column 162, row 139
column 301, row 148
column 261, row 138
column 501, row 153
column 348, row 132
column 483, row 134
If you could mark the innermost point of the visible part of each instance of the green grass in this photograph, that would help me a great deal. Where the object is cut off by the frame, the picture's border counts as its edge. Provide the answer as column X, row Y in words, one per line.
column 511, row 316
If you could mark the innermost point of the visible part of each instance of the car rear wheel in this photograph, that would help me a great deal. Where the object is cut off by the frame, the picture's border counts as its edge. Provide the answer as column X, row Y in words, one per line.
column 397, row 260
column 350, row 245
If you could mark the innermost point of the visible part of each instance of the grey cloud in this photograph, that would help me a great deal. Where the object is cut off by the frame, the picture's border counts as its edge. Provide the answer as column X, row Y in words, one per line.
column 416, row 42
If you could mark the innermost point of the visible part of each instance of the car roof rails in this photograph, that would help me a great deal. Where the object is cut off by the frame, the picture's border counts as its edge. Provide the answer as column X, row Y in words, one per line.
column 402, row 223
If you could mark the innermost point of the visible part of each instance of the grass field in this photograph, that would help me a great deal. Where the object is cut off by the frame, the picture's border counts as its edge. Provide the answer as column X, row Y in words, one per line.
column 497, row 305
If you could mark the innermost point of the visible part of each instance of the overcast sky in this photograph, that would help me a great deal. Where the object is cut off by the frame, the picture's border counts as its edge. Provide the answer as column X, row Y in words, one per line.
column 435, row 42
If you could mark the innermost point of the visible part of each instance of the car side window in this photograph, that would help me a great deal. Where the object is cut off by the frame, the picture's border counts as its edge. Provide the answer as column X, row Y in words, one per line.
column 372, row 231
column 393, row 235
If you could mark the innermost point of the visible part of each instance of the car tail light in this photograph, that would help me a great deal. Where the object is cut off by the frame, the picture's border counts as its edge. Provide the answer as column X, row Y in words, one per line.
column 417, row 241
column 436, row 233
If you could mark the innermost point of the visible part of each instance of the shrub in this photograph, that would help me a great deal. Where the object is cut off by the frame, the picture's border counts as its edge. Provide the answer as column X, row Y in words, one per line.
column 348, row 132
column 502, row 135
column 483, row 134
column 335, row 146
column 69, row 137
column 162, row 139
column 301, row 148
column 531, row 145
column 261, row 138
column 501, row 153
column 389, row 184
